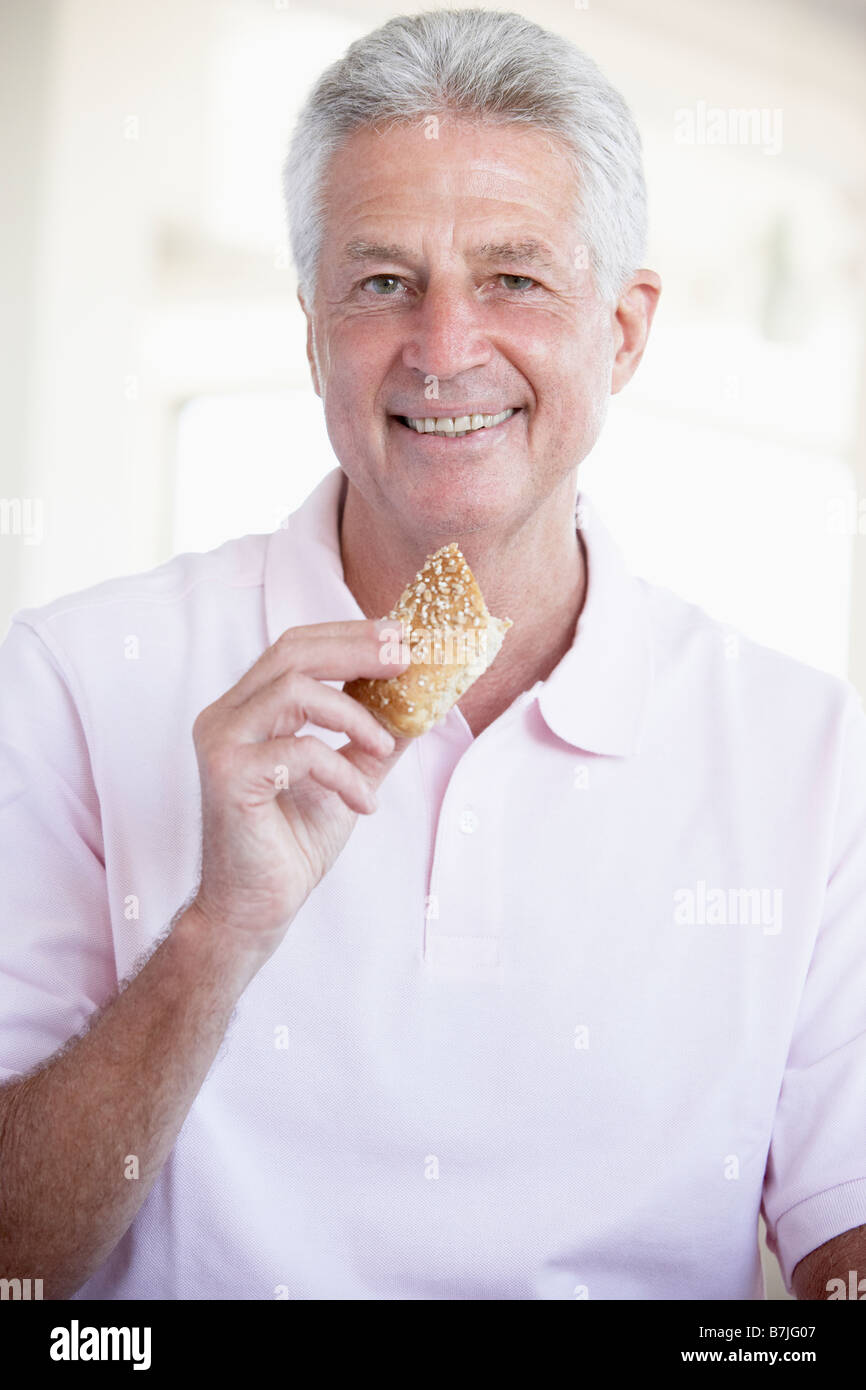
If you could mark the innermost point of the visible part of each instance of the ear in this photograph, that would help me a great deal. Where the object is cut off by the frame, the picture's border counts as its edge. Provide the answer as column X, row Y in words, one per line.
column 311, row 346
column 633, row 317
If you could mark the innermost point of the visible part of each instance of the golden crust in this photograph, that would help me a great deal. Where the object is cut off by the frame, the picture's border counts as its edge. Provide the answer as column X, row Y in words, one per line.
column 452, row 641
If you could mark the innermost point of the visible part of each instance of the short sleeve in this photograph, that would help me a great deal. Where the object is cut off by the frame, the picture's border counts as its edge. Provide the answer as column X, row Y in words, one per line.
column 815, row 1183
column 56, row 950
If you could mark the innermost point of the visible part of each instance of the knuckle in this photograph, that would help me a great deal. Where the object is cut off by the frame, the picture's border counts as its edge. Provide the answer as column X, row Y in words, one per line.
column 292, row 685
column 200, row 724
column 222, row 763
column 217, row 753
column 363, row 722
column 285, row 639
column 308, row 747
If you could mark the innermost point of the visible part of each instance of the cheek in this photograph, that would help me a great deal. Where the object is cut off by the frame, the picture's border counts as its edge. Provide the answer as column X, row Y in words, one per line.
column 576, row 390
column 363, row 348
column 359, row 359
column 573, row 391
column 568, row 368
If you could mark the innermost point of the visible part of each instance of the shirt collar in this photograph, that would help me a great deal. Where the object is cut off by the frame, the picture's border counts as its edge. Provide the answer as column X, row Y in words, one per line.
column 596, row 696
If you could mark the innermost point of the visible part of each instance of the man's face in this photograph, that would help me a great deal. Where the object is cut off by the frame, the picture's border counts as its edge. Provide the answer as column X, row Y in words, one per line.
column 452, row 283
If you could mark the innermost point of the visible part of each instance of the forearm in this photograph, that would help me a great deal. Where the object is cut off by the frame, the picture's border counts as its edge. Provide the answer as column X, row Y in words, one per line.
column 826, row 1271
column 70, row 1131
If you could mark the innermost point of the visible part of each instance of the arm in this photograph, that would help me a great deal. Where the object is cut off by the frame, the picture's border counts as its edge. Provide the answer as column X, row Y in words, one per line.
column 814, row 1197
column 124, row 1088
column 276, row 811
column 832, row 1260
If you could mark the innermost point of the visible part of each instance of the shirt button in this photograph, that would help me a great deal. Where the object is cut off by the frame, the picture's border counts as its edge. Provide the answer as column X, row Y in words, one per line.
column 468, row 822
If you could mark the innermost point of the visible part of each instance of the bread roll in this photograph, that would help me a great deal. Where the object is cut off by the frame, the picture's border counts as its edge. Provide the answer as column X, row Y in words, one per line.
column 452, row 640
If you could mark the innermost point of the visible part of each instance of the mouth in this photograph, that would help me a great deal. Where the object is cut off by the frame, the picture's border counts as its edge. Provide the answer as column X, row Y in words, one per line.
column 456, row 426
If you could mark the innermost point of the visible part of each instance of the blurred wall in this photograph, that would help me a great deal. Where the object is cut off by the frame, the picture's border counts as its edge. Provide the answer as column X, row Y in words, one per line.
column 144, row 260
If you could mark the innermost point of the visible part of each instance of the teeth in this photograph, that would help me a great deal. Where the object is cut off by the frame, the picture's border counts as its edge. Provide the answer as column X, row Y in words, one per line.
column 456, row 426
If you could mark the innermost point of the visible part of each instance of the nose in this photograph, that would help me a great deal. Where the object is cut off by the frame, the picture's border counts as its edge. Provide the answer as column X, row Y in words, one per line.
column 446, row 335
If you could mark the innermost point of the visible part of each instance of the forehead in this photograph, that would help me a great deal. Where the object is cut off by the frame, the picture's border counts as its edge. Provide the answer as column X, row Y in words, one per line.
column 396, row 183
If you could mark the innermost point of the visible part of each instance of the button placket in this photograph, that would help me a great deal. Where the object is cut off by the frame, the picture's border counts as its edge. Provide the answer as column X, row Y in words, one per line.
column 462, row 935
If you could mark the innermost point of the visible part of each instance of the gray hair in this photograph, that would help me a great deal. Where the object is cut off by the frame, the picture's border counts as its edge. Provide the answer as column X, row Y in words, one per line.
column 496, row 68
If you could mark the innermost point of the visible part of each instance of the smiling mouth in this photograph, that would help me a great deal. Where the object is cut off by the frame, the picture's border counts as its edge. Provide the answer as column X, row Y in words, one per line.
column 455, row 426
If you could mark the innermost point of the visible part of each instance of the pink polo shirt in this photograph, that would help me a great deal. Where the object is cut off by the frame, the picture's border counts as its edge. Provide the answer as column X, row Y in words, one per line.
column 584, row 994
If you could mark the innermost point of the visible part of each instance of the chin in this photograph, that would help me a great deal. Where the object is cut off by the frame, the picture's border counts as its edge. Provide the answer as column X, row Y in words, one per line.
column 453, row 507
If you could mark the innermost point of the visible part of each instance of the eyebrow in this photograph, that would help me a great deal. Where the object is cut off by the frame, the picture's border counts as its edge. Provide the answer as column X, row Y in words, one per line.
column 529, row 251
column 374, row 251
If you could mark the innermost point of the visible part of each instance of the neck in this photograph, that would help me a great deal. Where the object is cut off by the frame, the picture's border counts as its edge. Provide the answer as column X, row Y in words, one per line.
column 534, row 574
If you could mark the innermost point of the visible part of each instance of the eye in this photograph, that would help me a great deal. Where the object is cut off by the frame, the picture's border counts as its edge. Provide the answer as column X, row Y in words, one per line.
column 390, row 283
column 525, row 282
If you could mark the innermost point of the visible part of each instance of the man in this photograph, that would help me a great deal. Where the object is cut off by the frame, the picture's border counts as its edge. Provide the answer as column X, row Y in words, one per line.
column 545, row 1004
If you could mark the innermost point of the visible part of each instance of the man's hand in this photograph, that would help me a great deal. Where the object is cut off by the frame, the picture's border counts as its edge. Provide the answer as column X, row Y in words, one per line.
column 126, row 1084
column 278, row 808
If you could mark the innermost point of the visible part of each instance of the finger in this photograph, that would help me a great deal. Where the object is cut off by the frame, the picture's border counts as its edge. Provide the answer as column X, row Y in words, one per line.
column 369, row 648
column 293, row 700
column 374, row 769
column 282, row 764
column 344, row 627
